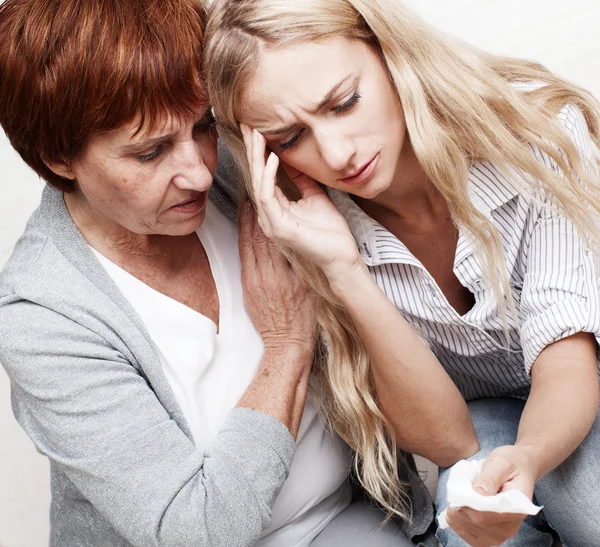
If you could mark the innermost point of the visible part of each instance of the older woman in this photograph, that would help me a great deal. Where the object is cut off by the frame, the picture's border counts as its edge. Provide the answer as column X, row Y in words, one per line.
column 165, row 379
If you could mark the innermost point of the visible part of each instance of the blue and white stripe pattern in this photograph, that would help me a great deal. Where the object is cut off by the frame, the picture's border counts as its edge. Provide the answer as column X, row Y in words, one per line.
column 554, row 280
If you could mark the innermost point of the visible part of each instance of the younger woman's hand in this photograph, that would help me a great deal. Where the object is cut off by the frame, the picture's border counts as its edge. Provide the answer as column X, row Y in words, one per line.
column 280, row 306
column 312, row 226
column 506, row 468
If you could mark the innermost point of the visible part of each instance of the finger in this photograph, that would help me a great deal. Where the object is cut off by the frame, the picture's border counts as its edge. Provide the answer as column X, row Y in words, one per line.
column 258, row 163
column 259, row 240
column 269, row 176
column 278, row 259
column 308, row 186
column 272, row 211
column 290, row 171
column 486, row 518
column 247, row 222
column 494, row 473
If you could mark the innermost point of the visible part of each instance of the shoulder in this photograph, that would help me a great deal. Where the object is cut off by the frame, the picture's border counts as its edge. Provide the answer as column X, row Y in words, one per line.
column 25, row 258
column 52, row 274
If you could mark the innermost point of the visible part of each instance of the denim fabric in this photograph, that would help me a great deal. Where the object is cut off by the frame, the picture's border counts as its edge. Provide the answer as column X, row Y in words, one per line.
column 570, row 494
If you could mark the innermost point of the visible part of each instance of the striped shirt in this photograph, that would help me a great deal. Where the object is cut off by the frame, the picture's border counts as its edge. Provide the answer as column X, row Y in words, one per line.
column 553, row 277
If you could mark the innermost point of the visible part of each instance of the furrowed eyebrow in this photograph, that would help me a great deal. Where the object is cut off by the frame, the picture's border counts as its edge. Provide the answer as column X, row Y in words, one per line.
column 326, row 100
column 329, row 97
column 279, row 131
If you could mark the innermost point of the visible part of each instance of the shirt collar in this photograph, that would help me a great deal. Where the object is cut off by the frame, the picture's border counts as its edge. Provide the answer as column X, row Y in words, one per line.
column 489, row 189
column 375, row 243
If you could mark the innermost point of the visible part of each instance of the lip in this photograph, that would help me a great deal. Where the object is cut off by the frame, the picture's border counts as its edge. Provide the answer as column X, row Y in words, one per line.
column 362, row 174
column 192, row 205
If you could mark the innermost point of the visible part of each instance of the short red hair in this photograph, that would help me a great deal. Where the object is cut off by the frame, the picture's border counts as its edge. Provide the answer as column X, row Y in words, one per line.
column 72, row 68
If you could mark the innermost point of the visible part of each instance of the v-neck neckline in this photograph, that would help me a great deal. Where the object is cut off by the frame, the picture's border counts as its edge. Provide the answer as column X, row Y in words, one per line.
column 207, row 242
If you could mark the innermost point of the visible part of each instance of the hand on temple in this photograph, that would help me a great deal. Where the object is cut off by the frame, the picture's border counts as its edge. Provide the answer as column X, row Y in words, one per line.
column 312, row 226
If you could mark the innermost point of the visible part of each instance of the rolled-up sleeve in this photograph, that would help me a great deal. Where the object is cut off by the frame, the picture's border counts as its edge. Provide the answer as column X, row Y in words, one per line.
column 561, row 288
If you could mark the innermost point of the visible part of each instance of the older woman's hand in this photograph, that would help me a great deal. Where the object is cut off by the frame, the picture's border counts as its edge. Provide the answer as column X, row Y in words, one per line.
column 278, row 303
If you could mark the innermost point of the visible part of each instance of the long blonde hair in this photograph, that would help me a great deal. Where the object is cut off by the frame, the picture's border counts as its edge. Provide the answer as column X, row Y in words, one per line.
column 461, row 107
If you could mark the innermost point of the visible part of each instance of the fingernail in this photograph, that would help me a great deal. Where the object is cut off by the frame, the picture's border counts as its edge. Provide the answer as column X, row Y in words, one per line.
column 483, row 487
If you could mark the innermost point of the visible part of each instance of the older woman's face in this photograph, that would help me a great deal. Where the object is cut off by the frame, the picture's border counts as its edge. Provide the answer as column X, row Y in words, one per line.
column 329, row 109
column 150, row 183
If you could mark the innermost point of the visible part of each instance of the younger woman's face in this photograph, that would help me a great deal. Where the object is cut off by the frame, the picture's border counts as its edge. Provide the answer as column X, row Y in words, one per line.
column 329, row 109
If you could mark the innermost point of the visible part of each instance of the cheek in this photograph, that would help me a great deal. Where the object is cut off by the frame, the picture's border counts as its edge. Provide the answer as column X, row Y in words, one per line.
column 307, row 161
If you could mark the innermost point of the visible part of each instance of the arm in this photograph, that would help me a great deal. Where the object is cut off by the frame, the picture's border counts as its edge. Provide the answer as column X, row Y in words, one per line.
column 408, row 377
column 78, row 393
column 559, row 306
column 87, row 408
column 282, row 312
column 558, row 415
column 562, row 405
column 426, row 410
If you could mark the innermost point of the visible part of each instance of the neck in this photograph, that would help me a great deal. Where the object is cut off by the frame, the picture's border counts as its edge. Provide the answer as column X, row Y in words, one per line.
column 410, row 196
column 111, row 239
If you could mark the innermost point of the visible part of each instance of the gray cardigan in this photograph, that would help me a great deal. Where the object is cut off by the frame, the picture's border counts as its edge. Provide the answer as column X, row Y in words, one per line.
column 89, row 390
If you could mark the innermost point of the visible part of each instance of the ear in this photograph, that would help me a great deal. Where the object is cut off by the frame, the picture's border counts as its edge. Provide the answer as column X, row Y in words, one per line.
column 60, row 168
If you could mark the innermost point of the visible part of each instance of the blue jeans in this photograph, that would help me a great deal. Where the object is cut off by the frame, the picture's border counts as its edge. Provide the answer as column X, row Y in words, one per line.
column 570, row 494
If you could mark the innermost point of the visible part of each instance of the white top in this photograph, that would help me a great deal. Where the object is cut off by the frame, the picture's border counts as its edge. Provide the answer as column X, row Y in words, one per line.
column 554, row 279
column 210, row 370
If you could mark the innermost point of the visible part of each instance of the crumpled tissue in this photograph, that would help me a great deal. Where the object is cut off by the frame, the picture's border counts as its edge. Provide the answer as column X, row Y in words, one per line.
column 460, row 493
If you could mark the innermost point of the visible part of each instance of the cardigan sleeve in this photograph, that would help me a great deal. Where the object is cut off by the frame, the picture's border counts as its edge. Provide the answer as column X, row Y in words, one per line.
column 88, row 409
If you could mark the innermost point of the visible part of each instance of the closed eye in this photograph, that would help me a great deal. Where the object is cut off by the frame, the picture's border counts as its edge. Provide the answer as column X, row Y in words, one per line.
column 348, row 104
column 145, row 158
column 340, row 109
column 291, row 142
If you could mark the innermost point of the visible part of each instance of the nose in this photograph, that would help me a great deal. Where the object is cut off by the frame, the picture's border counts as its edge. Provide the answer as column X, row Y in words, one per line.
column 336, row 149
column 192, row 173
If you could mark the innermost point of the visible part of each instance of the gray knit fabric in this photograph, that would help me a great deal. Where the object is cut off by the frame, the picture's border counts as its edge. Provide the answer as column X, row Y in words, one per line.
column 89, row 390
column 226, row 190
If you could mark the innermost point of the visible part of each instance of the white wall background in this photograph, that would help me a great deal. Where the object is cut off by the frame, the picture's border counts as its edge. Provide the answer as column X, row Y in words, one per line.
column 563, row 35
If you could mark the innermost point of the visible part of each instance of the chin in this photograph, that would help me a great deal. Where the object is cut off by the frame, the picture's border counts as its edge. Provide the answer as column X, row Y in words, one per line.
column 184, row 228
column 372, row 189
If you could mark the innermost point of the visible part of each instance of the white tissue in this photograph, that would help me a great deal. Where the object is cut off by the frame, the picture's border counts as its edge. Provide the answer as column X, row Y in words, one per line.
column 460, row 493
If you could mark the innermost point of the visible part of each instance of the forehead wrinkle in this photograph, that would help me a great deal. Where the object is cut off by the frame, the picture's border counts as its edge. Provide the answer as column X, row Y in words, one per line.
column 269, row 87
column 253, row 115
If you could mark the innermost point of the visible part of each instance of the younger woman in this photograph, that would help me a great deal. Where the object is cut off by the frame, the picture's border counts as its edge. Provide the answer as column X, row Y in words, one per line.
column 462, row 189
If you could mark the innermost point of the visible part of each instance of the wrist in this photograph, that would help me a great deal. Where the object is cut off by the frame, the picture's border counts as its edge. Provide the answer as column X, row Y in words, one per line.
column 288, row 350
column 342, row 278
column 532, row 457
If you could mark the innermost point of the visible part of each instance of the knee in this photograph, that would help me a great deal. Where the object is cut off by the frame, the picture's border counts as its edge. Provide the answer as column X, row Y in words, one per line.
column 571, row 508
column 579, row 529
